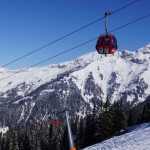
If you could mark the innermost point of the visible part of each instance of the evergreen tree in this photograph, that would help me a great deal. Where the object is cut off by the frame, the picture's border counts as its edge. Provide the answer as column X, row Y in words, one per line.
column 0, row 140
column 14, row 141
column 50, row 136
column 74, row 121
column 7, row 141
column 145, row 116
column 56, row 137
column 37, row 144
column 87, row 134
column 2, row 146
column 32, row 140
column 107, row 105
column 105, row 121
column 95, row 122
column 100, row 111
column 25, row 139
column 134, row 114
column 79, row 140
column 43, row 136
column 118, row 118
column 130, row 117
column 89, row 131
column 10, row 142
column 65, row 141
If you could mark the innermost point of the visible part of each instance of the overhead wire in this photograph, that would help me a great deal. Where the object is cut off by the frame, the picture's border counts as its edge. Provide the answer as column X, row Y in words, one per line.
column 81, row 28
column 75, row 47
column 124, row 6
column 131, row 22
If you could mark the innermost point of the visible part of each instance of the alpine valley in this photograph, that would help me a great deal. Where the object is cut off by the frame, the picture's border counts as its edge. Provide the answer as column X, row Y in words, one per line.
column 32, row 94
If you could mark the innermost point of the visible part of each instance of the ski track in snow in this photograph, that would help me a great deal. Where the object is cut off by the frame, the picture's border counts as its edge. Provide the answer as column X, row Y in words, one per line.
column 138, row 138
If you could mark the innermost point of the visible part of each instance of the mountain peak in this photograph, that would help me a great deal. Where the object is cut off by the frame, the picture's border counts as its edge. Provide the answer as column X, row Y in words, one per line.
column 145, row 49
column 82, row 82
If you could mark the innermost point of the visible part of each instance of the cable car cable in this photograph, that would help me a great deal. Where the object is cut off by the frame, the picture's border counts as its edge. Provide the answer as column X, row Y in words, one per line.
column 75, row 47
column 125, row 6
column 48, row 44
column 51, row 57
column 131, row 22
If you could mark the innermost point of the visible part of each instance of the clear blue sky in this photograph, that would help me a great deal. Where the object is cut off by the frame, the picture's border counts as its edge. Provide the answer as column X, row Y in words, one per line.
column 26, row 25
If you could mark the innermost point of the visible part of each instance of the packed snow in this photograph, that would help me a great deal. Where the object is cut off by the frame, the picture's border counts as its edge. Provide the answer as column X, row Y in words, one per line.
column 138, row 138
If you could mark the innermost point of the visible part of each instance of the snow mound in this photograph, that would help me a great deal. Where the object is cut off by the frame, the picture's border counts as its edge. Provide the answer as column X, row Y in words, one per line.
column 3, row 129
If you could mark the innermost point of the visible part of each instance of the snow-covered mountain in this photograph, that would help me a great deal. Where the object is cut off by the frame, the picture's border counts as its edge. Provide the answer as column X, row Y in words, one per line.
column 33, row 93
column 137, row 138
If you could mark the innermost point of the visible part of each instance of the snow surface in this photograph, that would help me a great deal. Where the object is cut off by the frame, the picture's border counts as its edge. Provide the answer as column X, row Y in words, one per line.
column 138, row 138
column 3, row 129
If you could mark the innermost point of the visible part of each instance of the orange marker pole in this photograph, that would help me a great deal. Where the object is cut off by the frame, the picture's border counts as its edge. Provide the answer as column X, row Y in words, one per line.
column 71, row 144
column 72, row 148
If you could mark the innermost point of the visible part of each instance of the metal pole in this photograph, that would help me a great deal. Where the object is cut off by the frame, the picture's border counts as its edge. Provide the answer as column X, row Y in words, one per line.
column 106, row 20
column 71, row 144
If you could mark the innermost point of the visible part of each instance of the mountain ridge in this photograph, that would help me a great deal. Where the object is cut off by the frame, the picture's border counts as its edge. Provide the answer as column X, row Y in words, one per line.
column 33, row 93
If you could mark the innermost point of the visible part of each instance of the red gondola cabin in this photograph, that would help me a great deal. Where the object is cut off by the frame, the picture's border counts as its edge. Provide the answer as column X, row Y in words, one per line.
column 106, row 44
column 56, row 122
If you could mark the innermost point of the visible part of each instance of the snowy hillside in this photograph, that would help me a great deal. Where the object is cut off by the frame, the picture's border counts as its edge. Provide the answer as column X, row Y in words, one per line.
column 79, row 83
column 138, row 138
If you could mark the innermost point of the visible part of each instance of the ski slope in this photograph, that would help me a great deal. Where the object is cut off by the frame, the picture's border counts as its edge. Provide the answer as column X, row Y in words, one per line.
column 138, row 138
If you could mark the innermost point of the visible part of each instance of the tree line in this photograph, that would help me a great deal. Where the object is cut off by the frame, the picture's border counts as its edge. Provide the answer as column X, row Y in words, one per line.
column 105, row 121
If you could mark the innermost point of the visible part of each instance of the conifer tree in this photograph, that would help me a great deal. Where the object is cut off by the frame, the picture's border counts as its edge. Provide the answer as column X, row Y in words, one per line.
column 50, row 136
column 44, row 136
column 89, row 130
column 14, row 141
column 87, row 133
column 105, row 119
column 65, row 141
column 56, row 137
column 7, row 141
column 130, row 117
column 2, row 143
column 25, row 139
column 79, row 141
column 37, row 144
column 74, row 121
column 0, row 140
column 95, row 122
column 145, row 116
column 118, row 118
column 10, row 141
column 100, row 111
